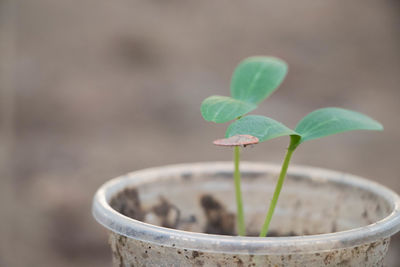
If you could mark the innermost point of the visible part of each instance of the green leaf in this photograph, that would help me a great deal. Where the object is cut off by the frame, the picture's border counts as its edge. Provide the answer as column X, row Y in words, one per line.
column 328, row 121
column 255, row 78
column 221, row 109
column 259, row 126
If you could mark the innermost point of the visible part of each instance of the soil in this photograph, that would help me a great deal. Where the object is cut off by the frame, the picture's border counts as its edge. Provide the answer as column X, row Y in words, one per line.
column 218, row 219
column 128, row 203
column 168, row 213
column 163, row 213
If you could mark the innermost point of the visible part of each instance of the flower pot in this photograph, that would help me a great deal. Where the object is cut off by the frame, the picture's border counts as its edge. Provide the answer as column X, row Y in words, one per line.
column 323, row 218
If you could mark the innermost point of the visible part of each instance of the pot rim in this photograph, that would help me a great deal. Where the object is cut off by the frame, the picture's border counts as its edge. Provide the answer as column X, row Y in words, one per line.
column 123, row 225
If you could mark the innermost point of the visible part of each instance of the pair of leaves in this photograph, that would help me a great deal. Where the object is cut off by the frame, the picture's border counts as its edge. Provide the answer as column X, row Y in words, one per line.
column 319, row 123
column 253, row 80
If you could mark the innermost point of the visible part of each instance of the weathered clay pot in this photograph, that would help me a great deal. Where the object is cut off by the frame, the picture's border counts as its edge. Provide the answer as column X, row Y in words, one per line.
column 334, row 219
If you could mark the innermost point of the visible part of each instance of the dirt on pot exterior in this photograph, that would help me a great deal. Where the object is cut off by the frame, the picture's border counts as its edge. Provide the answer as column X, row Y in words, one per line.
column 130, row 252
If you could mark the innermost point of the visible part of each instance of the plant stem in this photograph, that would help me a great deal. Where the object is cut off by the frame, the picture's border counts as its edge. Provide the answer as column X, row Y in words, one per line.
column 278, row 187
column 239, row 203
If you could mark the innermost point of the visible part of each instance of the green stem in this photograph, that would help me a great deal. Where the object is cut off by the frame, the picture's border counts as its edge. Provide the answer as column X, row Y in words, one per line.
column 239, row 203
column 282, row 175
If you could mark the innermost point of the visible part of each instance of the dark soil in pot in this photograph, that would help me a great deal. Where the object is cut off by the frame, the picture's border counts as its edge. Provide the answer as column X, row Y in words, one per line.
column 218, row 219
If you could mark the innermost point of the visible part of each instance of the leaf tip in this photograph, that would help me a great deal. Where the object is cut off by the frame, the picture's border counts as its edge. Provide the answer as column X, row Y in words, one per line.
column 379, row 126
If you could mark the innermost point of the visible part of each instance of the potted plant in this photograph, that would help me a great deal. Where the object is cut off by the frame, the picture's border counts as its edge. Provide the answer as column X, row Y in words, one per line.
column 186, row 215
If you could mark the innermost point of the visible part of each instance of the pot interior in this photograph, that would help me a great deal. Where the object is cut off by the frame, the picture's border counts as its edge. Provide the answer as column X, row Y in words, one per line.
column 204, row 201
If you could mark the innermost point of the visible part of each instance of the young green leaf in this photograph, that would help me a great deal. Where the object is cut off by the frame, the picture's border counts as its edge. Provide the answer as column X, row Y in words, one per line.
column 328, row 121
column 222, row 109
column 255, row 78
column 263, row 128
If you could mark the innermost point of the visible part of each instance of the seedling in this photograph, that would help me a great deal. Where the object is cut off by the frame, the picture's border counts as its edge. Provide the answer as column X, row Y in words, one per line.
column 319, row 123
column 253, row 80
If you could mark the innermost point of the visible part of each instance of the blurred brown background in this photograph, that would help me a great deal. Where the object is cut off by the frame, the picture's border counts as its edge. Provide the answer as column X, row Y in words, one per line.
column 94, row 89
